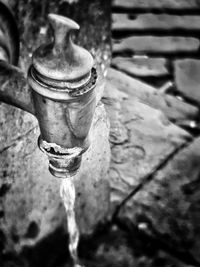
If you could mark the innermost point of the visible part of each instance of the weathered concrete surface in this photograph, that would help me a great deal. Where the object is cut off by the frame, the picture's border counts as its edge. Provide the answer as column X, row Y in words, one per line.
column 141, row 138
column 170, row 4
column 155, row 44
column 128, row 22
column 29, row 196
column 187, row 78
column 141, row 66
column 14, row 123
column 174, row 109
column 169, row 204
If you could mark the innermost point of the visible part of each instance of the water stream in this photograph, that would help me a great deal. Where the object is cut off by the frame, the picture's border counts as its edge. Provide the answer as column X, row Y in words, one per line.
column 68, row 195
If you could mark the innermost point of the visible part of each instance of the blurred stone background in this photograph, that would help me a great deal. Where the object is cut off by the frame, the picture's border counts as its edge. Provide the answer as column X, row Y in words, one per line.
column 155, row 152
column 152, row 100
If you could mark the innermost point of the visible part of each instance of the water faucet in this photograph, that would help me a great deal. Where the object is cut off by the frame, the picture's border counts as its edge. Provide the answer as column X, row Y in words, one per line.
column 59, row 91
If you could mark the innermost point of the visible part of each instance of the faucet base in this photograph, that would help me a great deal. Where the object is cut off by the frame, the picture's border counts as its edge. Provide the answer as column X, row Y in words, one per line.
column 64, row 168
column 63, row 162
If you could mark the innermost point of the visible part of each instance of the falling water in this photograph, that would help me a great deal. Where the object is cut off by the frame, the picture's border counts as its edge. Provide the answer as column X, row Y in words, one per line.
column 68, row 194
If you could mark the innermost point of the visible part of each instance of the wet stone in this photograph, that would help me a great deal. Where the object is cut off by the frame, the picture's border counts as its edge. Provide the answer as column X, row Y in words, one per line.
column 155, row 44
column 187, row 78
column 141, row 66
column 169, row 4
column 143, row 22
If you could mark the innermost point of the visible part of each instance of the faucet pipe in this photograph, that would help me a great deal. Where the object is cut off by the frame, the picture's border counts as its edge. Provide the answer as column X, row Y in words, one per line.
column 14, row 89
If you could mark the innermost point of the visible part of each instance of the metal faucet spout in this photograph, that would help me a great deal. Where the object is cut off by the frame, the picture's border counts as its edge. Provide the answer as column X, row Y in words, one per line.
column 60, row 92
column 63, row 80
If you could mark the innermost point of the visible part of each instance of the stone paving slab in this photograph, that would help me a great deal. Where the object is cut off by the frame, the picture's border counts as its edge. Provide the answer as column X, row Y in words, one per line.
column 187, row 78
column 156, row 44
column 141, row 66
column 140, row 140
column 170, row 4
column 172, row 108
column 169, row 204
column 142, row 22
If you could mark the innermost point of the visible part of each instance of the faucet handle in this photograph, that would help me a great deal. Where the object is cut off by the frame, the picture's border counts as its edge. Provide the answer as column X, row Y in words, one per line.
column 62, row 27
column 62, row 60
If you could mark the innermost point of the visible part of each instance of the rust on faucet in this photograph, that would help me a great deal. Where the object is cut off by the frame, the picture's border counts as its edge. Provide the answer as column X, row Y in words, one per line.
column 60, row 92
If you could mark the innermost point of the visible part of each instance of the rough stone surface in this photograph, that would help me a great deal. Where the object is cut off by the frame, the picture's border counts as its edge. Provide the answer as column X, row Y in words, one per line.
column 174, row 109
column 14, row 123
column 140, row 141
column 141, row 66
column 187, row 78
column 170, row 4
column 169, row 204
column 29, row 196
column 128, row 22
column 155, row 44
column 92, row 183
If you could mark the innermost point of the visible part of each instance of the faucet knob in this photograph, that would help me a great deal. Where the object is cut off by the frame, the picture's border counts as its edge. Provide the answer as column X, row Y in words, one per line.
column 62, row 28
column 62, row 60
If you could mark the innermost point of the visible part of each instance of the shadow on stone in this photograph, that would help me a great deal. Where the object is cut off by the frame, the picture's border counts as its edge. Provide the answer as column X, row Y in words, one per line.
column 111, row 245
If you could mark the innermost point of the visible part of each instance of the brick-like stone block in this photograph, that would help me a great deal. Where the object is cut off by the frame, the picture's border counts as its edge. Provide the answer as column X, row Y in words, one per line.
column 149, row 21
column 156, row 44
column 187, row 78
column 169, row 4
column 141, row 66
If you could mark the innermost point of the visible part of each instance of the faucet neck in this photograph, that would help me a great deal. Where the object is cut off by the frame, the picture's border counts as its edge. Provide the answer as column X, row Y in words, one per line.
column 61, row 91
